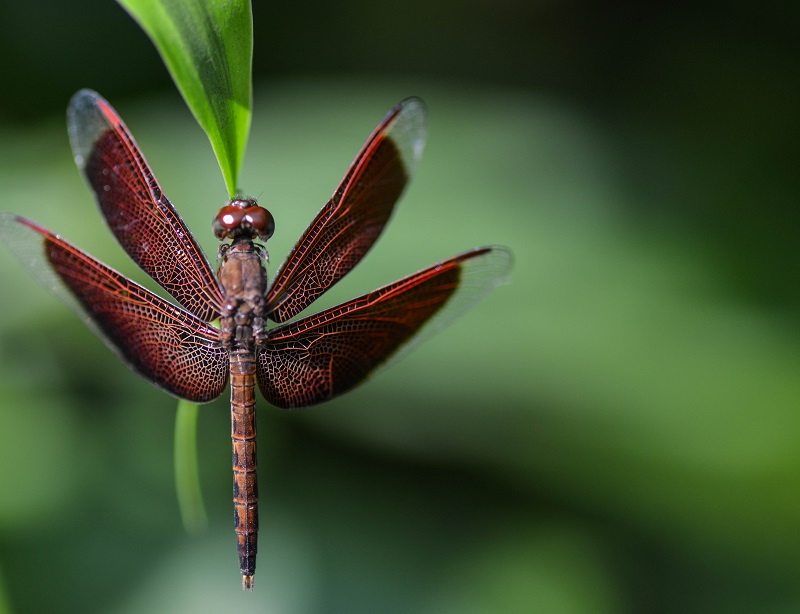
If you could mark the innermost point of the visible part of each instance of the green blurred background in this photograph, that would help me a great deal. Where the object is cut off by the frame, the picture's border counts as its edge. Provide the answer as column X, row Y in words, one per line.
column 615, row 431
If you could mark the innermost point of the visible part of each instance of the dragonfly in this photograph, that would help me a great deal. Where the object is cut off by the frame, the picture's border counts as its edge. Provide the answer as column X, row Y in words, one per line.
column 233, row 326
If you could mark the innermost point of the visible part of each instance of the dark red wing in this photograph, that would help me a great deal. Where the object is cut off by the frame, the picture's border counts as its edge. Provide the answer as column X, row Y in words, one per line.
column 350, row 223
column 161, row 342
column 140, row 216
column 321, row 356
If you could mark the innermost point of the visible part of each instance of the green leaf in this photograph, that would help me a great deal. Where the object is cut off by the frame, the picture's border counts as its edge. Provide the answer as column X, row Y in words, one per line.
column 207, row 46
column 187, row 476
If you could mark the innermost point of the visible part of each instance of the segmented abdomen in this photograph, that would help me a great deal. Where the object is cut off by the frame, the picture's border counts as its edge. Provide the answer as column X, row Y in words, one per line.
column 243, row 436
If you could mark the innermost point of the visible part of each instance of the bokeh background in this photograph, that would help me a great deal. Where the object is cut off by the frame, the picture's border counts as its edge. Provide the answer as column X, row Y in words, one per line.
column 617, row 430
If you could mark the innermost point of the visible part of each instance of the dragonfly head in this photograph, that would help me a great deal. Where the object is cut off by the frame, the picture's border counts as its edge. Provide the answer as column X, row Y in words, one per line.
column 243, row 218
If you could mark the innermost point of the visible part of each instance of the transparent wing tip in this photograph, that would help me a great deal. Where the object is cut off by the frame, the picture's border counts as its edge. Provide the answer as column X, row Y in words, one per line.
column 85, row 122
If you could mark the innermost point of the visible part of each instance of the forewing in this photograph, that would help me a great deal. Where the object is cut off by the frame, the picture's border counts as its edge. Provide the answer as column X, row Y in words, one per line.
column 354, row 217
column 164, row 344
column 137, row 212
column 321, row 356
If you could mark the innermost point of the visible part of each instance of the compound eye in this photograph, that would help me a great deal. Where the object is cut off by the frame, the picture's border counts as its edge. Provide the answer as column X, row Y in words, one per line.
column 261, row 221
column 228, row 218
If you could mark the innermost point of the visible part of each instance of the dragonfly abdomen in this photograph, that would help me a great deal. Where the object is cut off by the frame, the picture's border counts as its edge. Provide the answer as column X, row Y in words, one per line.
column 243, row 436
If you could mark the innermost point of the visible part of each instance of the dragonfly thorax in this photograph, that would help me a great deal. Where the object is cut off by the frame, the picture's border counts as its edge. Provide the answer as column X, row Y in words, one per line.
column 243, row 218
column 244, row 283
